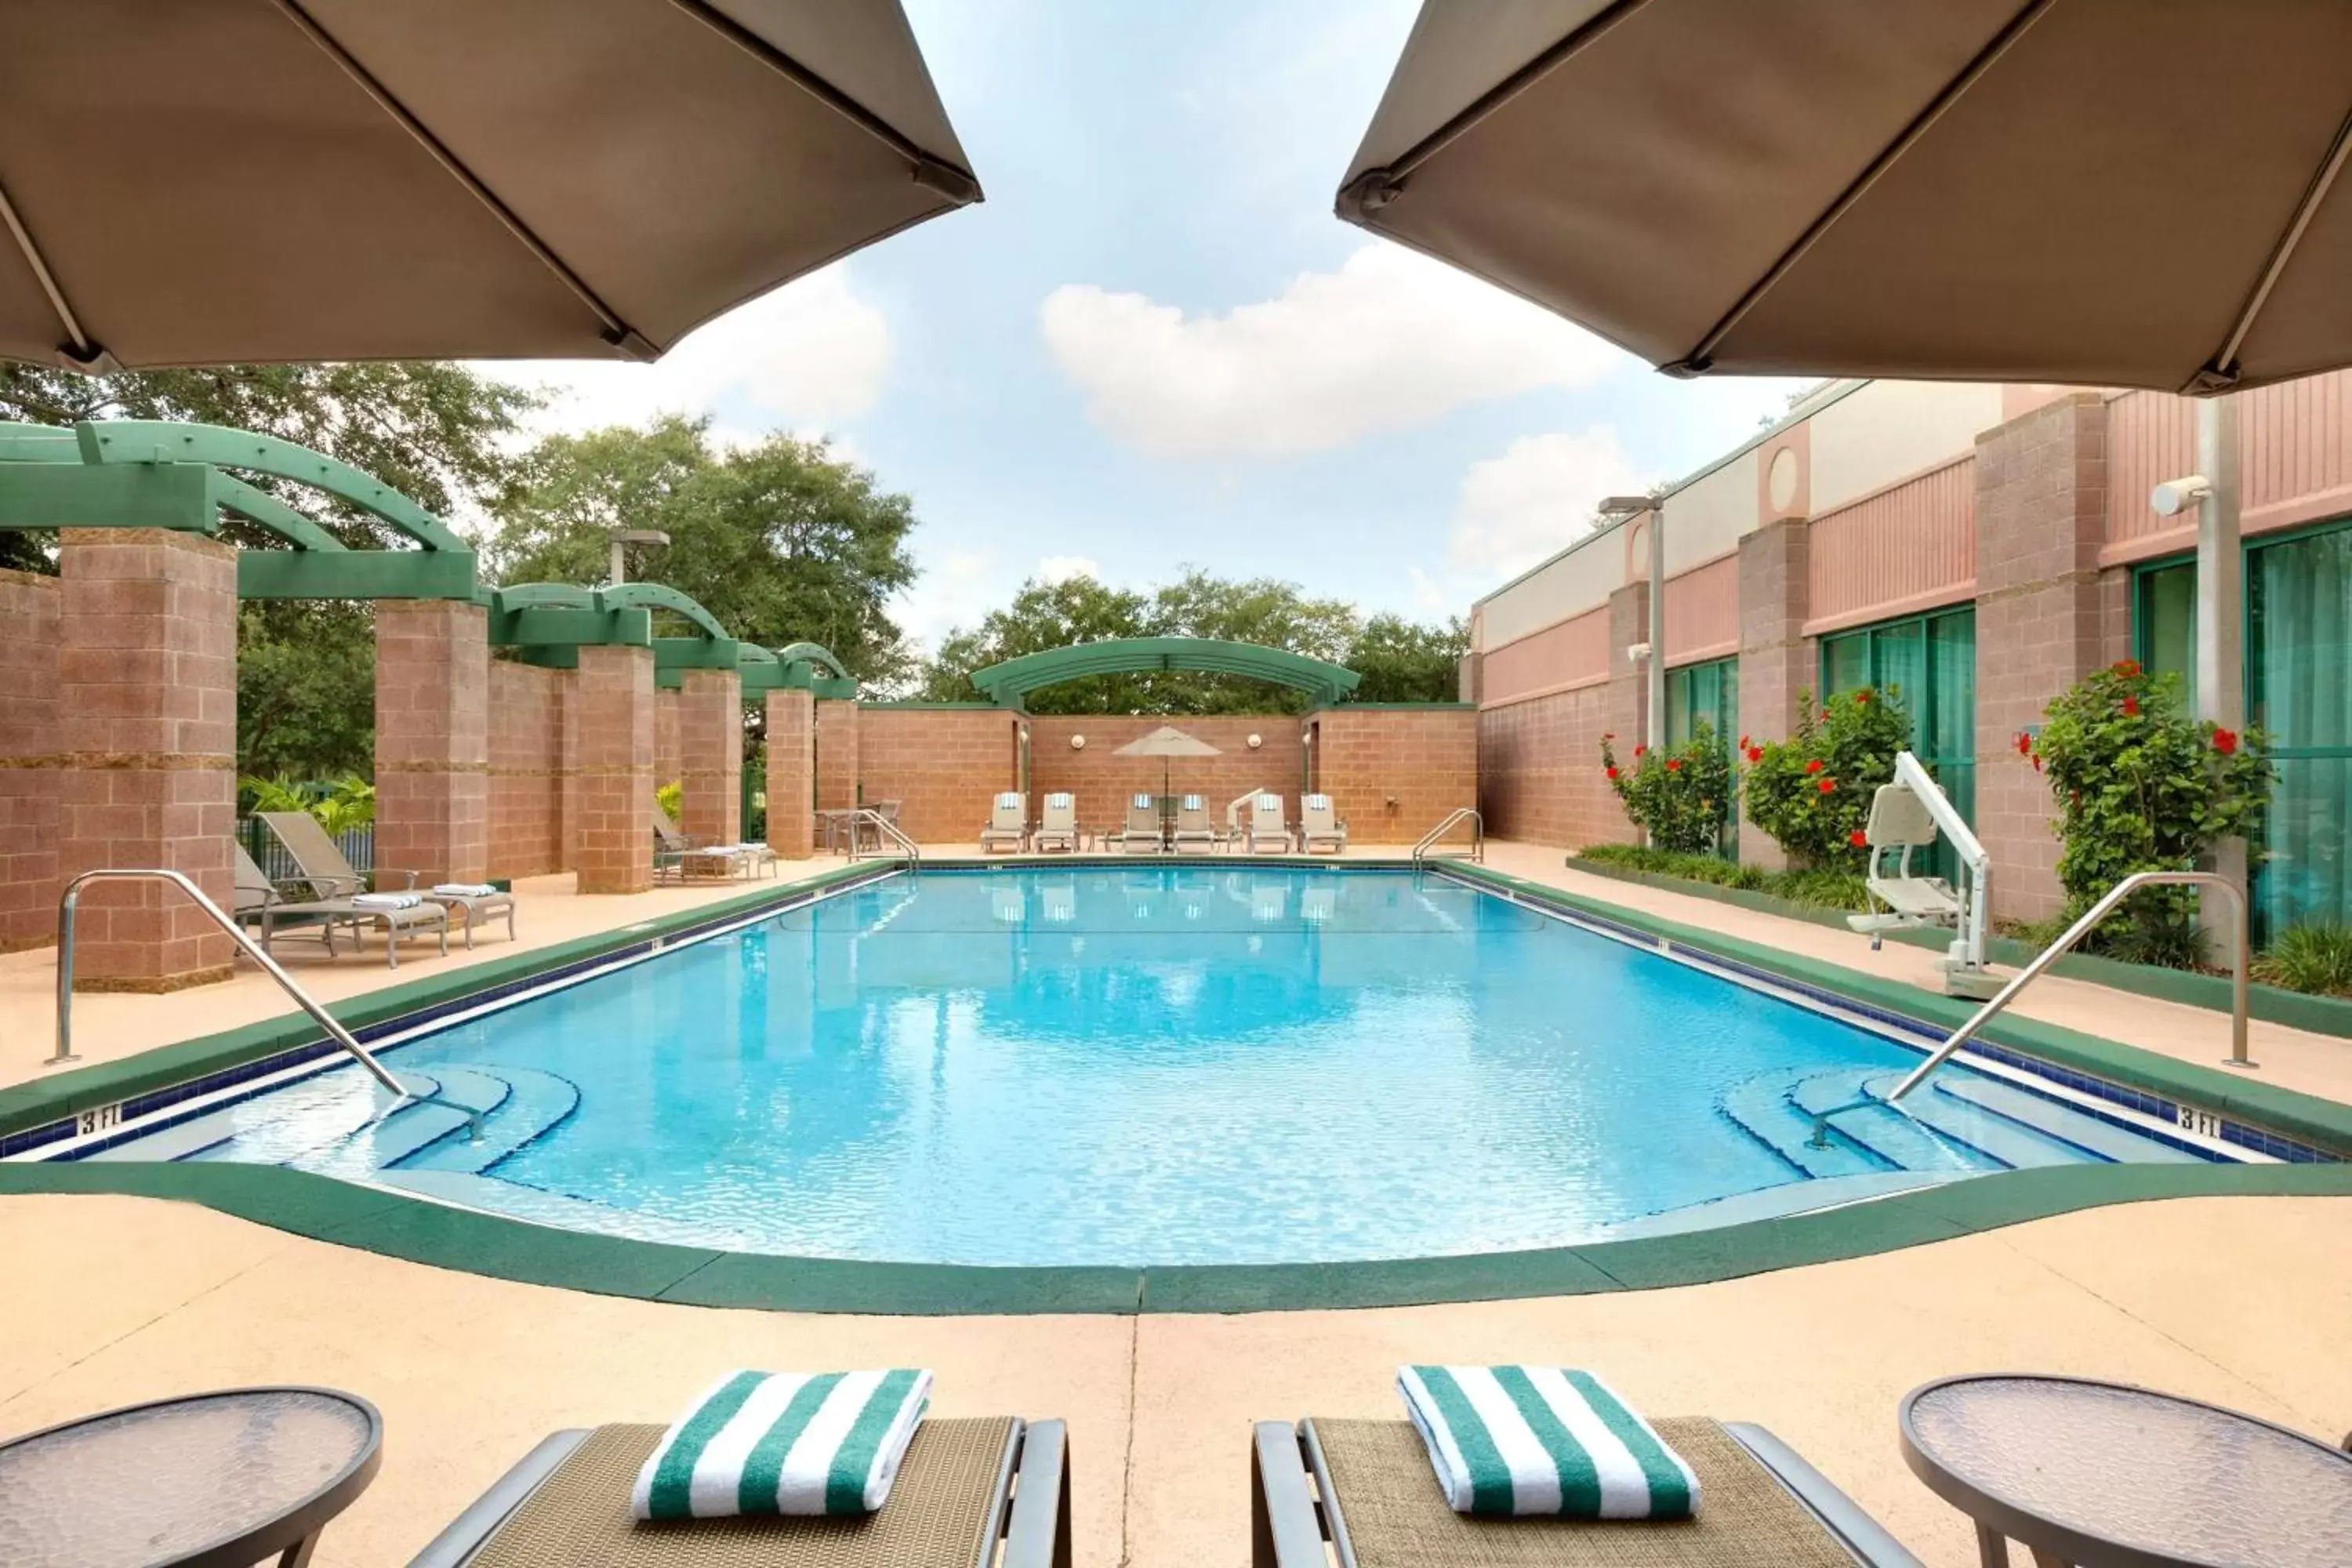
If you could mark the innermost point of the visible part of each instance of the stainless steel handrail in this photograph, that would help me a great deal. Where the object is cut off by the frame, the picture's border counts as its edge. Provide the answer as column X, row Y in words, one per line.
column 67, row 903
column 1453, row 818
column 2081, row 928
column 883, row 828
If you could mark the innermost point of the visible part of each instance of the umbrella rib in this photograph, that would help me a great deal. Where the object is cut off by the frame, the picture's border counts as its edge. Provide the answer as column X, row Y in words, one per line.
column 2218, row 373
column 85, row 352
column 1699, row 360
column 958, row 184
column 617, row 332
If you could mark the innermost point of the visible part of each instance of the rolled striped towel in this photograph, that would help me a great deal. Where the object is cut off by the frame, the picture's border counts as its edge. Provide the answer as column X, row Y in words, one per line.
column 387, row 901
column 1542, row 1440
column 784, row 1442
column 464, row 890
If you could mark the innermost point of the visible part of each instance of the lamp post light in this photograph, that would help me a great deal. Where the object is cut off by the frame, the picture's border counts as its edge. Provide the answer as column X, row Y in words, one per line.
column 624, row 537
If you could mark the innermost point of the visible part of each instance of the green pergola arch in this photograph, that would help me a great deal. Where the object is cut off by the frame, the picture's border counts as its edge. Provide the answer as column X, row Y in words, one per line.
column 1010, row 683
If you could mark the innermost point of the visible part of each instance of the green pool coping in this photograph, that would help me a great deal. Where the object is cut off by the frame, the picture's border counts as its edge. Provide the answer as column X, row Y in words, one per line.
column 416, row 1229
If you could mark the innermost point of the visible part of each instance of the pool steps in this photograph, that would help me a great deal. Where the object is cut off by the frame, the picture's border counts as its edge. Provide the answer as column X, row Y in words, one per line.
column 536, row 1101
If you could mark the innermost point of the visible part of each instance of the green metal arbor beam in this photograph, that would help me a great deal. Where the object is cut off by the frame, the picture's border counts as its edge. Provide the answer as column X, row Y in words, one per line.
column 1010, row 682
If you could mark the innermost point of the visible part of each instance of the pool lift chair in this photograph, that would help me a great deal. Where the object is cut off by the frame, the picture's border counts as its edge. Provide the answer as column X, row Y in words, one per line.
column 1905, row 816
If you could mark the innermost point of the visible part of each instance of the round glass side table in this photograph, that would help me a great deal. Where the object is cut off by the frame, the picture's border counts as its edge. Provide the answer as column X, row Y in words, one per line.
column 2100, row 1475
column 210, row 1480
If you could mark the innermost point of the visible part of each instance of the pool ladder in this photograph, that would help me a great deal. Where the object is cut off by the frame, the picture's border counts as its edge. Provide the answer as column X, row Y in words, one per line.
column 866, row 816
column 1454, row 818
column 68, row 904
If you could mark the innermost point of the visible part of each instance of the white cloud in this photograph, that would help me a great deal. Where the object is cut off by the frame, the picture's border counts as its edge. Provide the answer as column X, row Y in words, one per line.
column 1059, row 569
column 954, row 591
column 1537, row 496
column 807, row 354
column 1390, row 341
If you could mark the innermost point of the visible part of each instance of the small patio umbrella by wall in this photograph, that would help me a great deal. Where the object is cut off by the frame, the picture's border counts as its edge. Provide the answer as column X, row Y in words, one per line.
column 1167, row 743
column 197, row 181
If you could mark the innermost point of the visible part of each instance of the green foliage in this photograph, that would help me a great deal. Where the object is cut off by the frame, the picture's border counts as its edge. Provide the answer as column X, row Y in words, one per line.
column 2142, row 786
column 781, row 540
column 670, row 798
column 306, row 689
column 2316, row 959
column 1812, row 791
column 1680, row 797
column 1815, row 890
column 348, row 802
column 1399, row 662
column 340, row 806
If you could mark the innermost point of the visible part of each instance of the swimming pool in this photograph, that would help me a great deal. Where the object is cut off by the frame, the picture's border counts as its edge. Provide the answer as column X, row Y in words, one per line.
column 1153, row 1065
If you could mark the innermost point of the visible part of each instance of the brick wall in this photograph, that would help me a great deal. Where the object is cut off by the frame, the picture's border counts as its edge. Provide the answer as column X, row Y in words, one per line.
column 836, row 755
column 1540, row 777
column 147, row 720
column 1102, row 780
column 29, row 605
column 432, row 741
column 941, row 764
column 2042, row 622
column 710, row 756
column 791, row 773
column 1393, row 773
column 1777, row 663
column 528, row 773
column 612, row 750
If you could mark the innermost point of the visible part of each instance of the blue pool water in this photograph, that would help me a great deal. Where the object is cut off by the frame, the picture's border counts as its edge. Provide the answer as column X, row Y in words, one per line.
column 1158, row 1065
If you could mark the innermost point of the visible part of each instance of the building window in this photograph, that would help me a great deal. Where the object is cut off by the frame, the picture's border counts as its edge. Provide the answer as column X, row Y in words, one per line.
column 2164, row 622
column 2299, row 690
column 1709, row 692
column 1929, row 663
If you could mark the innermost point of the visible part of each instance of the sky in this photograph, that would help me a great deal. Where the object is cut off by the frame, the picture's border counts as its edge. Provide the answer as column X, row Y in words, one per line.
column 1152, row 347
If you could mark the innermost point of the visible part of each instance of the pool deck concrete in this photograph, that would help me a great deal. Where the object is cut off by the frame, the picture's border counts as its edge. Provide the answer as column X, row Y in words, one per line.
column 2239, row 1301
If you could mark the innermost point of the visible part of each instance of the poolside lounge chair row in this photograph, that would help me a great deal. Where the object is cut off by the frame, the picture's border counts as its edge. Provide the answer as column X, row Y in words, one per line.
column 997, row 1490
column 679, row 857
column 1148, row 831
column 336, row 895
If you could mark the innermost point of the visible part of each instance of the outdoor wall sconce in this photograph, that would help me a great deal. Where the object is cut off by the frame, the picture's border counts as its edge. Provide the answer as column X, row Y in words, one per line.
column 1077, row 743
column 1256, row 741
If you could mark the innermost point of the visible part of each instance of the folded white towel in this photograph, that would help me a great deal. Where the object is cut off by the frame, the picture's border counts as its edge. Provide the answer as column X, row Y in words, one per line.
column 388, row 901
column 1542, row 1440
column 758, row 1442
column 464, row 890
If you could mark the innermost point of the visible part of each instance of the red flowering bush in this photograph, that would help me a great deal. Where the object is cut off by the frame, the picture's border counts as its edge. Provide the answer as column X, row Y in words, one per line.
column 1682, row 798
column 2142, row 786
column 1812, row 791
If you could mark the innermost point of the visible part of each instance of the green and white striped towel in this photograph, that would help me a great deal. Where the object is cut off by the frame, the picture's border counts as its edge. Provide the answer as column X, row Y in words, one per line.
column 761, row 1442
column 1542, row 1440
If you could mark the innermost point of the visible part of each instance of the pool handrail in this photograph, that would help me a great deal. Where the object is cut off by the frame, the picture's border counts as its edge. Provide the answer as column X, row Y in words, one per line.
column 66, row 905
column 2081, row 928
column 883, row 828
column 1453, row 819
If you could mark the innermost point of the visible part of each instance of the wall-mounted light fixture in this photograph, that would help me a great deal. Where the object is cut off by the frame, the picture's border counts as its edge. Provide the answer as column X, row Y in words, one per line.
column 1256, row 741
column 2174, row 496
column 1077, row 743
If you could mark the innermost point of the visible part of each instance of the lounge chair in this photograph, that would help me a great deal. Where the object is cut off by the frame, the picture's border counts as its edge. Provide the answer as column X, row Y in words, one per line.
column 316, row 856
column 679, row 856
column 1057, row 824
column 965, row 1485
column 337, row 885
column 1193, row 829
column 1320, row 824
column 259, row 904
column 1267, row 825
column 1373, row 1499
column 1142, row 832
column 1008, row 822
column 477, row 908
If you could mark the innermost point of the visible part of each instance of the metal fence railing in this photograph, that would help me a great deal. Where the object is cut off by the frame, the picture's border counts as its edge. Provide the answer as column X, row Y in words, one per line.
column 358, row 845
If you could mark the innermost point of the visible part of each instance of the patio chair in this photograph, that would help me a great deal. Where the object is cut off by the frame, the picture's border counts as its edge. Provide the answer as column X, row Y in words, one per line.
column 1320, row 824
column 1057, row 824
column 965, row 1485
column 1142, row 832
column 259, row 904
column 1193, row 829
column 1008, row 822
column 1267, row 825
column 1374, row 1499
column 677, row 855
column 317, row 857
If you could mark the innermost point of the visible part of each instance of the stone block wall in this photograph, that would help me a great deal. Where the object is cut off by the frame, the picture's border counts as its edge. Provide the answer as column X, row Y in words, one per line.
column 1103, row 781
column 836, row 755
column 710, row 756
column 1539, row 775
column 30, row 760
column 613, row 767
column 791, row 773
column 941, row 764
column 432, row 741
column 1393, row 773
column 530, row 783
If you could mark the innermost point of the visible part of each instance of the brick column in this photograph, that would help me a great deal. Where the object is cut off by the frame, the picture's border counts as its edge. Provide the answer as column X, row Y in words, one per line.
column 710, row 756
column 612, row 769
column 670, row 758
column 1629, row 693
column 836, row 755
column 432, row 741
column 1777, row 663
column 791, row 773
column 147, row 726
column 30, row 604
column 2041, row 502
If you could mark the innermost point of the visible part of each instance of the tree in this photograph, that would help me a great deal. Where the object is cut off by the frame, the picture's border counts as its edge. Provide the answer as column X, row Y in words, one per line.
column 1401, row 662
column 780, row 541
column 306, row 671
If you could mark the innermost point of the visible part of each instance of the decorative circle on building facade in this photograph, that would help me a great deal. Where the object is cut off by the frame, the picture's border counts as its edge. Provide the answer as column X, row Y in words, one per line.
column 1783, row 479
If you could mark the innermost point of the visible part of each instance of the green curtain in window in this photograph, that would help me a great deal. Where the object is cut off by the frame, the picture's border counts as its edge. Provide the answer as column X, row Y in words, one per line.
column 2299, row 666
column 1929, row 662
column 1708, row 692
column 2164, row 625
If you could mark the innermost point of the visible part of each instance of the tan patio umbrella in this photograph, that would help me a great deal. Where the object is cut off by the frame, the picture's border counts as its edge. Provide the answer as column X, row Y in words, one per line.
column 1167, row 743
column 196, row 182
column 2119, row 193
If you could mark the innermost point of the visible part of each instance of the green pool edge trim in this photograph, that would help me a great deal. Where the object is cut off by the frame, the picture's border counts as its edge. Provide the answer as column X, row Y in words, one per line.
column 419, row 1230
